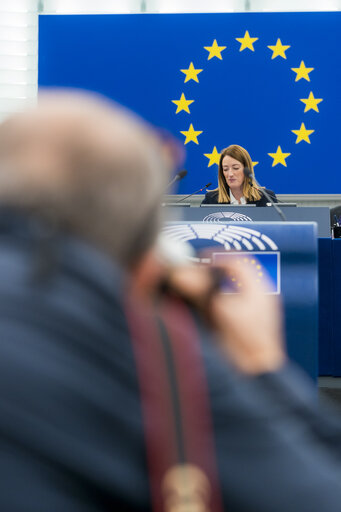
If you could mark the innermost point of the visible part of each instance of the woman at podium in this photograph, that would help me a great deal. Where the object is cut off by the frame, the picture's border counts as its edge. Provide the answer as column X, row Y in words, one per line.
column 236, row 183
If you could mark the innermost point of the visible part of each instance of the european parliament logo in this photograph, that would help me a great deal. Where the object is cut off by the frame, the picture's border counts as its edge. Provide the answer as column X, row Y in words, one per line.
column 227, row 217
column 266, row 81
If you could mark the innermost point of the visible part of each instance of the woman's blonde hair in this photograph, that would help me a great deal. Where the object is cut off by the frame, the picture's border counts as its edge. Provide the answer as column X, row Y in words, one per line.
column 250, row 192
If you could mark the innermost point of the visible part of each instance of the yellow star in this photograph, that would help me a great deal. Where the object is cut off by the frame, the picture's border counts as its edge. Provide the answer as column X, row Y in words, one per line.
column 279, row 157
column 254, row 164
column 182, row 104
column 302, row 72
column 246, row 42
column 215, row 50
column 191, row 135
column 191, row 73
column 311, row 103
column 213, row 157
column 302, row 134
column 279, row 49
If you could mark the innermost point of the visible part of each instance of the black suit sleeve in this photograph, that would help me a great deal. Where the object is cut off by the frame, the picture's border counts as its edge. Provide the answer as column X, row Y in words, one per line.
column 263, row 200
column 211, row 197
column 272, row 195
column 205, row 200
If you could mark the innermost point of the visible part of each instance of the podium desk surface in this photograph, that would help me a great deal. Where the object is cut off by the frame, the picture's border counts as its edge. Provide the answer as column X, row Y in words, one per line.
column 248, row 213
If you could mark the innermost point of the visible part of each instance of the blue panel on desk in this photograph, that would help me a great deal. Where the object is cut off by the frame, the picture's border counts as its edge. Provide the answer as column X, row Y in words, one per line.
column 297, row 245
column 251, row 96
column 336, row 306
column 326, row 360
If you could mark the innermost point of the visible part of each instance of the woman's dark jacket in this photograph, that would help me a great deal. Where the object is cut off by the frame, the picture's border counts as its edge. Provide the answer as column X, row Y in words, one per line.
column 212, row 198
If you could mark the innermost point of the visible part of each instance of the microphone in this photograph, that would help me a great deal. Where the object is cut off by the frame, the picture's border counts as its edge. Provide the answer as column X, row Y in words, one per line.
column 179, row 176
column 196, row 192
column 252, row 178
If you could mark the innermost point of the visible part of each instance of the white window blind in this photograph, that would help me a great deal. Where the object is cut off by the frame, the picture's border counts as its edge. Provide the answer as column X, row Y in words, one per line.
column 92, row 6
column 18, row 55
column 117, row 6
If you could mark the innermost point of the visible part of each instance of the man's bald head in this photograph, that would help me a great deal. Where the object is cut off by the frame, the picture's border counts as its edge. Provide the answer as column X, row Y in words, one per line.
column 90, row 167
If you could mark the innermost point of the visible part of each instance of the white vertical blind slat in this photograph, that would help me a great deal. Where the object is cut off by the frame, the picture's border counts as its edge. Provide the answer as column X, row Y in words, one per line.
column 18, row 55
column 91, row 6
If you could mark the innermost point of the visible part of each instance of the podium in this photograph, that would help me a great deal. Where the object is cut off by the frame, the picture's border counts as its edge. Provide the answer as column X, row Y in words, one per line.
column 250, row 213
column 287, row 251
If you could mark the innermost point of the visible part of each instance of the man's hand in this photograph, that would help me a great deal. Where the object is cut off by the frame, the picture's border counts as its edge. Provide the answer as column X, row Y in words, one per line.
column 248, row 323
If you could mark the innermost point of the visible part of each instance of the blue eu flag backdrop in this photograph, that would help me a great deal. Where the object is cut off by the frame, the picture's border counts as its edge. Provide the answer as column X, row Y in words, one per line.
column 267, row 81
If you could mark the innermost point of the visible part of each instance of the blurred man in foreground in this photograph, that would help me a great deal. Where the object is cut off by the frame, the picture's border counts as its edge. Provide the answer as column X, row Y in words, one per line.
column 81, row 182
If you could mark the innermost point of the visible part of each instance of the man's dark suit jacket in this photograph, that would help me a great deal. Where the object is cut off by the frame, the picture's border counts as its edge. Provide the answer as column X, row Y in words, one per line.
column 212, row 198
column 70, row 416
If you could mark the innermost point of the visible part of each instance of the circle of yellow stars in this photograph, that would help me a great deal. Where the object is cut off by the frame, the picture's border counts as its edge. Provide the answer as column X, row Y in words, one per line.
column 248, row 261
column 279, row 49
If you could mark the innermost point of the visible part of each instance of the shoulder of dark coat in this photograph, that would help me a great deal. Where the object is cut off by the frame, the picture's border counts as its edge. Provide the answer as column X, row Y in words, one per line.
column 211, row 195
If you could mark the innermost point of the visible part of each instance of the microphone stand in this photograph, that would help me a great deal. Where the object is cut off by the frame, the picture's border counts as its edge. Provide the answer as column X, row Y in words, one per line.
column 179, row 176
column 196, row 192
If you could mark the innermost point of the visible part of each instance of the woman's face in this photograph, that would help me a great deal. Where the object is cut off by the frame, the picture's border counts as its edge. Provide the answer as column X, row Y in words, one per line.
column 233, row 171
